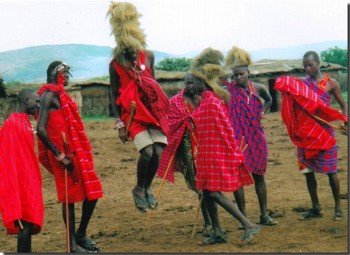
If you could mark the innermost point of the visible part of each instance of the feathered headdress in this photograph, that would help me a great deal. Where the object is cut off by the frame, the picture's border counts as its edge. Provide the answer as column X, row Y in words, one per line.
column 124, row 20
column 207, row 65
column 237, row 57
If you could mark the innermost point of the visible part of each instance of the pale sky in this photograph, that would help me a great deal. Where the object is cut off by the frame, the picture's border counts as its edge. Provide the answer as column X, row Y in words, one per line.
column 177, row 26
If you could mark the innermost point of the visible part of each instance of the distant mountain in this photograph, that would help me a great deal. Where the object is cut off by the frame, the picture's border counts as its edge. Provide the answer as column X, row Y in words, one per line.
column 29, row 65
column 295, row 52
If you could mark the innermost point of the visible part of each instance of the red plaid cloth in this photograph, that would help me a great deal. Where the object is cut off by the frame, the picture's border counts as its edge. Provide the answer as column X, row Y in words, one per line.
column 20, row 178
column 299, row 104
column 77, row 145
column 152, row 105
column 220, row 163
column 179, row 122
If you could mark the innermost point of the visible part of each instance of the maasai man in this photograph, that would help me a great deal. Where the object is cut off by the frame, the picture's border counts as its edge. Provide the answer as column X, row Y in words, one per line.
column 182, row 144
column 64, row 146
column 246, row 110
column 304, row 102
column 21, row 199
column 219, row 162
column 139, row 104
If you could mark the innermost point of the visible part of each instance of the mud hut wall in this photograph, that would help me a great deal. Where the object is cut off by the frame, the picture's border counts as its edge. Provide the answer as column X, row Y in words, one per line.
column 8, row 105
column 95, row 101
column 172, row 87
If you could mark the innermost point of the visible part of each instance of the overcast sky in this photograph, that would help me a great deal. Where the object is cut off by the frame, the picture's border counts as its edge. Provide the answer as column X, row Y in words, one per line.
column 177, row 26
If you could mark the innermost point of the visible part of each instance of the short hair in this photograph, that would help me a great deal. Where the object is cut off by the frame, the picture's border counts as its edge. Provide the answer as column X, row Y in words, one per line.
column 24, row 94
column 313, row 54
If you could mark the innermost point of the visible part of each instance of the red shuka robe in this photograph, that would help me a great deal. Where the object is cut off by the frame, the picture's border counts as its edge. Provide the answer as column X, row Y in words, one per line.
column 20, row 178
column 66, row 130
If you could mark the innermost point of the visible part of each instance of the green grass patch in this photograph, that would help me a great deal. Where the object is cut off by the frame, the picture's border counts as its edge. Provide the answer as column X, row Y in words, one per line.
column 97, row 118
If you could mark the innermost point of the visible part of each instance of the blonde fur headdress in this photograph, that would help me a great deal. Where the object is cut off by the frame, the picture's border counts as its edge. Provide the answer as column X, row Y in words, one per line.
column 124, row 20
column 207, row 65
column 237, row 57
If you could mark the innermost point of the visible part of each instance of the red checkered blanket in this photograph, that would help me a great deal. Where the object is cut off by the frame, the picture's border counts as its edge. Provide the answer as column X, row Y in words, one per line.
column 77, row 140
column 299, row 105
column 220, row 163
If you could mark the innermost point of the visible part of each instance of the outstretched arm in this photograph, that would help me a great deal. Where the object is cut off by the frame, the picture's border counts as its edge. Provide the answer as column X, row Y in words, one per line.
column 45, row 104
column 264, row 94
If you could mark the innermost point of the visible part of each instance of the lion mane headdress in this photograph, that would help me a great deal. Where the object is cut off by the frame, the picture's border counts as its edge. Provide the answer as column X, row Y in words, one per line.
column 125, row 25
column 237, row 57
column 207, row 66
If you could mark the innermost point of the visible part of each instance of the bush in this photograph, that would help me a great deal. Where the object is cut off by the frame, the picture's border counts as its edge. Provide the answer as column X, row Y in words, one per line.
column 174, row 64
column 335, row 55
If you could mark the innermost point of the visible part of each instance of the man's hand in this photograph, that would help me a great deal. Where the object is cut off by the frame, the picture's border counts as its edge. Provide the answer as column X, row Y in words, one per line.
column 67, row 164
column 122, row 134
column 344, row 128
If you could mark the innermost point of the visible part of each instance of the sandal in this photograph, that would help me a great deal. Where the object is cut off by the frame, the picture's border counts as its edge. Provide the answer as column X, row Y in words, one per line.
column 207, row 231
column 151, row 200
column 338, row 215
column 311, row 214
column 249, row 235
column 140, row 201
column 267, row 221
column 213, row 239
column 86, row 243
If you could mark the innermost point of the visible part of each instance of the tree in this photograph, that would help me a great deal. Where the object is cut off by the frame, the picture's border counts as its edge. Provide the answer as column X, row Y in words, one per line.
column 174, row 64
column 335, row 55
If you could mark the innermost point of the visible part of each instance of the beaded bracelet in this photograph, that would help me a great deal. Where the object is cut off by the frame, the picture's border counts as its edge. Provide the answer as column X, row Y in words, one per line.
column 60, row 157
column 119, row 124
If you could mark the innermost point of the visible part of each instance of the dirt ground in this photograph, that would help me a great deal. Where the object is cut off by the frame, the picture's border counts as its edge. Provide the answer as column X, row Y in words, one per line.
column 118, row 227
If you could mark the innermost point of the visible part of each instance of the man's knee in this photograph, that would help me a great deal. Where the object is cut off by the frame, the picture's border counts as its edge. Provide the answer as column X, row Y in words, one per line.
column 158, row 149
column 212, row 195
column 332, row 177
column 147, row 152
column 258, row 179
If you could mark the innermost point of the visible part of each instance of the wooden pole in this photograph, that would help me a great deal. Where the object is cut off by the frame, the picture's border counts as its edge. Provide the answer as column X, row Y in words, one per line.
column 326, row 122
column 67, row 211
column 20, row 224
column 196, row 220
column 132, row 114
column 160, row 189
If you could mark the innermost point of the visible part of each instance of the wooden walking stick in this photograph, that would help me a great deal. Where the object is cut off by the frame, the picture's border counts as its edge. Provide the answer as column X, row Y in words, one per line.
column 67, row 211
column 196, row 220
column 326, row 122
column 20, row 223
column 66, row 199
column 160, row 188
column 132, row 114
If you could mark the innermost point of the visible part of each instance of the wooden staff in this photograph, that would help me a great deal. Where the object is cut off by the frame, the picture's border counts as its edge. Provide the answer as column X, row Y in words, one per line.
column 242, row 142
column 66, row 192
column 20, row 223
column 196, row 220
column 67, row 211
column 160, row 189
column 326, row 122
column 132, row 114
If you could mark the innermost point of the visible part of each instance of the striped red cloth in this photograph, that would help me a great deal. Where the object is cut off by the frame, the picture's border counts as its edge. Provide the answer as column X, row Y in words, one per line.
column 299, row 104
column 20, row 178
column 179, row 122
column 66, row 124
column 152, row 105
column 245, row 110
column 220, row 163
